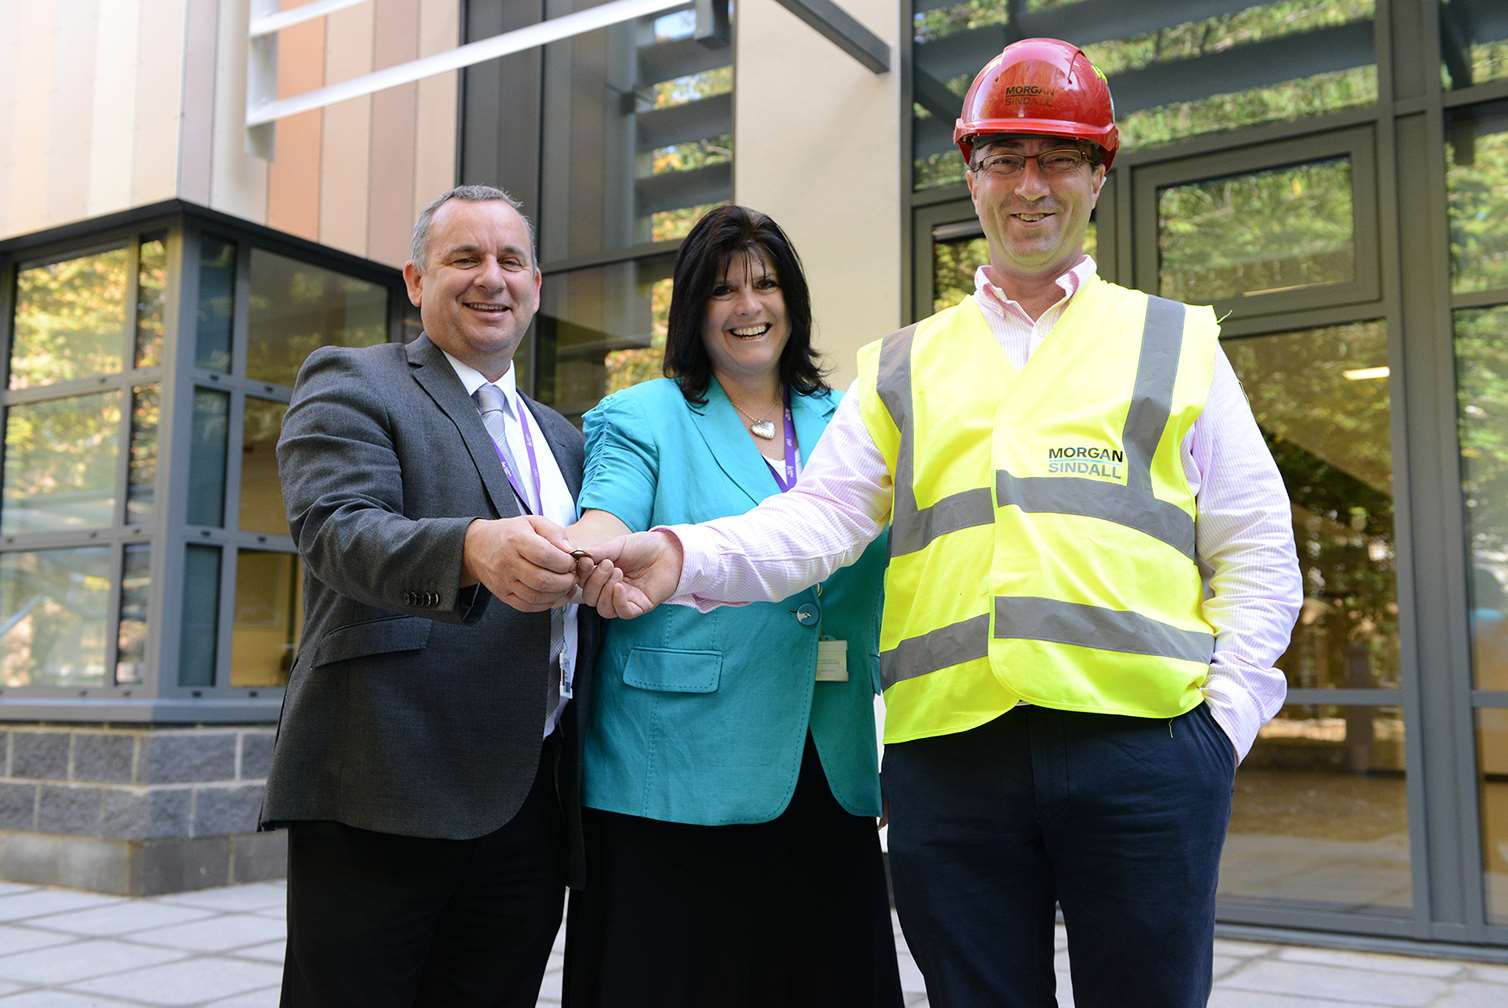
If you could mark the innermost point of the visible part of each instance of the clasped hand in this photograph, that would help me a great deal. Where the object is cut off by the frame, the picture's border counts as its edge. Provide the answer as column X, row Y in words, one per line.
column 527, row 563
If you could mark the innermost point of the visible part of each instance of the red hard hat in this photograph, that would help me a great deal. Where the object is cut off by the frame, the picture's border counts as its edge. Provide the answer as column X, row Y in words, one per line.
column 1039, row 86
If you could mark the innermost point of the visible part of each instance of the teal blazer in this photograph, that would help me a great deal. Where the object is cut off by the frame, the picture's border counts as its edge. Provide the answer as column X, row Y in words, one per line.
column 702, row 717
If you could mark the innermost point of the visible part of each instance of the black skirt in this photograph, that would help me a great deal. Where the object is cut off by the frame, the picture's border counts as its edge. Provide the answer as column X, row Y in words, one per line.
column 785, row 914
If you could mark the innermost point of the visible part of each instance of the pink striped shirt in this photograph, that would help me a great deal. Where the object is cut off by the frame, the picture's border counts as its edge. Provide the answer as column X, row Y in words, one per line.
column 1244, row 533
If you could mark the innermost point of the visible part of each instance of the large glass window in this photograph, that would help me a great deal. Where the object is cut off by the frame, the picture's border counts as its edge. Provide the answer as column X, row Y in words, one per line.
column 1476, row 166
column 54, row 605
column 1175, row 70
column 599, row 330
column 1492, row 745
column 151, row 301
column 269, row 618
column 1321, row 805
column 60, row 464
column 1473, row 42
column 261, row 493
column 640, row 137
column 135, row 591
column 199, row 633
column 141, row 482
column 1256, row 233
column 206, row 495
column 215, row 310
column 296, row 307
column 70, row 319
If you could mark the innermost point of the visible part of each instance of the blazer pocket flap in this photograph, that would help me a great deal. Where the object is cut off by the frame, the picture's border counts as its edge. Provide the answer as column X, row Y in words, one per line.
column 670, row 670
column 358, row 640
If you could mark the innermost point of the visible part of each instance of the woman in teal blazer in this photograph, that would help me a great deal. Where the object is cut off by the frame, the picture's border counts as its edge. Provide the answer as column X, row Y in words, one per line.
column 730, row 757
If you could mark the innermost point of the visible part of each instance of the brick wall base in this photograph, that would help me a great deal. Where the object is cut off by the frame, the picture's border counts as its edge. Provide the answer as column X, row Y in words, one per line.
column 137, row 810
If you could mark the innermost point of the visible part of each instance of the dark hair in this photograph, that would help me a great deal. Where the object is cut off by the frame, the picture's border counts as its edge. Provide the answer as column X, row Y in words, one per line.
column 722, row 233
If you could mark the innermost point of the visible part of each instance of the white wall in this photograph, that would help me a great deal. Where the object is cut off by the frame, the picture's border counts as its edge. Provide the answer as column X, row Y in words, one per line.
column 817, row 146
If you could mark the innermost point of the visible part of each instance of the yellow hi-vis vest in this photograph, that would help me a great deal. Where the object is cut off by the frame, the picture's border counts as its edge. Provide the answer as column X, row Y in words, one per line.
column 1042, row 527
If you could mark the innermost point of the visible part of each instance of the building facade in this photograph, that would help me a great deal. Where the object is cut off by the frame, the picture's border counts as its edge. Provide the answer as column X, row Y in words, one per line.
column 1330, row 174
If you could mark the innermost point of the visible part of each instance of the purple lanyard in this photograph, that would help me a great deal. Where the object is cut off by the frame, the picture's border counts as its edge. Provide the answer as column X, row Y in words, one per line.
column 790, row 450
column 502, row 456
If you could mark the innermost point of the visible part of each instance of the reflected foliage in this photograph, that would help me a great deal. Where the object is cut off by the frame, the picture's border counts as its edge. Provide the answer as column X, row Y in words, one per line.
column 146, row 408
column 1473, row 42
column 1245, row 234
column 1482, row 418
column 53, row 609
column 1329, row 433
column 1476, row 171
column 151, row 301
column 627, row 368
column 135, row 589
column 297, row 307
column 70, row 319
column 1195, row 74
column 60, row 457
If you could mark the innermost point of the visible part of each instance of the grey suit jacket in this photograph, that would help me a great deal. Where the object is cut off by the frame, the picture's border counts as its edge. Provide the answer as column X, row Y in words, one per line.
column 415, row 706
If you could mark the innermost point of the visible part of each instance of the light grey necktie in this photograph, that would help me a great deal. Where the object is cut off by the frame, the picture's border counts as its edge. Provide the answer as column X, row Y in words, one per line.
column 494, row 408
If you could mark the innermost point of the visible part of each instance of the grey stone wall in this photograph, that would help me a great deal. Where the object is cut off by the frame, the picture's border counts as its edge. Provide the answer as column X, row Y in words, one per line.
column 136, row 809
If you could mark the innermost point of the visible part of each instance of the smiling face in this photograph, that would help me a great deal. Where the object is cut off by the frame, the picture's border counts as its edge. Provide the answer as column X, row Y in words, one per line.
column 479, row 288
column 1035, row 223
column 745, row 327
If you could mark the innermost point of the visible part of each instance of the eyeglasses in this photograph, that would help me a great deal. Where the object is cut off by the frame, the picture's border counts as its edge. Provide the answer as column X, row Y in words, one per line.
column 1058, row 161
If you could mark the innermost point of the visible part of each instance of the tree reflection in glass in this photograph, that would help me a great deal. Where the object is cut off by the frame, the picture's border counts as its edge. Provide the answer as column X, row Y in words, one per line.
column 70, row 319
column 53, row 608
column 296, row 307
column 1273, row 230
column 1482, row 403
column 60, row 460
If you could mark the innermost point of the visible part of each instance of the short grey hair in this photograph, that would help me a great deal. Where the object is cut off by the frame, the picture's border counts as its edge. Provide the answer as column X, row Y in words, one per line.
column 418, row 244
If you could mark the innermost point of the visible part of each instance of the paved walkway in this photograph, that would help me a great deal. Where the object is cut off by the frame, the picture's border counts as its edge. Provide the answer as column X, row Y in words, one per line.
column 60, row 948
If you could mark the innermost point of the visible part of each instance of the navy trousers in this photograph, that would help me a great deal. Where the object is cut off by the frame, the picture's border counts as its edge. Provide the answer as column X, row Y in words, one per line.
column 1118, row 820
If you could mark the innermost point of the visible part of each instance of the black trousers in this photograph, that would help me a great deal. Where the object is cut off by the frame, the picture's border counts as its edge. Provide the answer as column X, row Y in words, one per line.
column 1118, row 820
column 791, row 913
column 383, row 921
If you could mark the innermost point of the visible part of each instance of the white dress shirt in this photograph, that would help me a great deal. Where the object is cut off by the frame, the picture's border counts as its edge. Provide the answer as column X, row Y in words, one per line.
column 1244, row 530
column 557, row 504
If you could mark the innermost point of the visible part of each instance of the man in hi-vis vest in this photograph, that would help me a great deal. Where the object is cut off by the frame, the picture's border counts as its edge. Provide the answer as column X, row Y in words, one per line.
column 1092, row 571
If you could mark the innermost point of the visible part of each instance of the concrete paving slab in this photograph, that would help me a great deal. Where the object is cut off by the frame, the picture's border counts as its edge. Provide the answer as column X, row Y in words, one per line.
column 1473, row 995
column 271, row 952
column 12, row 888
column 1488, row 974
column 192, row 981
column 1257, row 999
column 1245, row 949
column 228, row 931
column 260, row 896
column 24, row 939
column 1372, row 961
column 60, row 999
column 1312, row 981
column 62, row 964
column 911, row 974
column 267, row 998
column 117, row 918
column 7, row 987
column 37, row 902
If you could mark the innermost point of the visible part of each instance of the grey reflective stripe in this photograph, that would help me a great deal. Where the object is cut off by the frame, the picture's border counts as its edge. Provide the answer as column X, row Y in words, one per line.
column 911, row 527
column 1094, row 499
column 1133, row 504
column 1090, row 626
column 942, row 648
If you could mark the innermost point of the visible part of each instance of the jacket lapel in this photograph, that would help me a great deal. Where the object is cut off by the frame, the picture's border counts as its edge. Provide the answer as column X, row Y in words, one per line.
column 728, row 440
column 435, row 375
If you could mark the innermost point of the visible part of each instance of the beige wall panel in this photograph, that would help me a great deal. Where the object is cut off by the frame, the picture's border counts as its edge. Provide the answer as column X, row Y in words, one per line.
column 72, row 106
column 817, row 146
column 293, row 177
column 159, row 97
column 195, row 138
column 394, row 114
column 112, row 120
column 238, row 181
column 435, row 143
column 31, row 79
column 10, row 45
column 344, row 164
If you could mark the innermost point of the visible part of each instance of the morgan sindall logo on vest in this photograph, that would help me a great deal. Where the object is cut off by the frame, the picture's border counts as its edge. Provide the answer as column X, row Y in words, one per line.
column 1088, row 460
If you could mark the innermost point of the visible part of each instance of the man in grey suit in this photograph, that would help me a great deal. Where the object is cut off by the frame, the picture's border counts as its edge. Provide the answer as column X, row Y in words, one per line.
column 426, row 759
